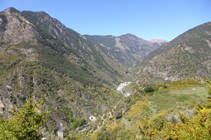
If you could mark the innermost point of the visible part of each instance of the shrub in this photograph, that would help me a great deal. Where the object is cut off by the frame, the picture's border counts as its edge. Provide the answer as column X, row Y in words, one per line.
column 118, row 115
column 165, row 86
column 149, row 89
column 103, row 129
column 26, row 123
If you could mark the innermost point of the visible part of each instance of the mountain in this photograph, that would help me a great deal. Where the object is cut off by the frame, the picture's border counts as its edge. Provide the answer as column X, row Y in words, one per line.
column 126, row 48
column 157, row 42
column 74, row 76
column 186, row 56
column 96, row 60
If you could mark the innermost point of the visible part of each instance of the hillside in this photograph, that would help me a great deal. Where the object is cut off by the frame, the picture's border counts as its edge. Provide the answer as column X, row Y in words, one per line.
column 75, row 82
column 94, row 58
column 167, row 112
column 126, row 48
column 186, row 56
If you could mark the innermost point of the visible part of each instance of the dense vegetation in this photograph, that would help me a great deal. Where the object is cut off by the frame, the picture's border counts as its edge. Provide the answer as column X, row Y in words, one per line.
column 196, row 126
column 166, row 124
column 26, row 123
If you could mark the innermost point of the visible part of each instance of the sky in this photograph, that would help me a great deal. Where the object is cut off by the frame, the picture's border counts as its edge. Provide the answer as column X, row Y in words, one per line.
column 147, row 19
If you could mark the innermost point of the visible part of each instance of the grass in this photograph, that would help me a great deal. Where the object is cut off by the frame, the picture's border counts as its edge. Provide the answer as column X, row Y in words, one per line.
column 181, row 95
column 194, row 91
column 165, row 99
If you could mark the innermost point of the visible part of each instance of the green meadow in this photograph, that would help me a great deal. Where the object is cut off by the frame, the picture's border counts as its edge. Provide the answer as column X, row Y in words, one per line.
column 165, row 99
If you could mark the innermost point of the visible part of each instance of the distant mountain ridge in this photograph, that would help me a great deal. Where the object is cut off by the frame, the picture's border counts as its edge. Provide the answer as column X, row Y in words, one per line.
column 186, row 56
column 126, row 48
column 158, row 42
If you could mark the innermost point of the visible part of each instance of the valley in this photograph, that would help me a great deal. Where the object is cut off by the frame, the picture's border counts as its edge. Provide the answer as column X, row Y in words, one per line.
column 101, row 87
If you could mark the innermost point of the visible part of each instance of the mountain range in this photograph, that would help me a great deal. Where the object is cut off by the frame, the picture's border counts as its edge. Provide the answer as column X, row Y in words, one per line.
column 77, row 75
column 126, row 48
column 39, row 57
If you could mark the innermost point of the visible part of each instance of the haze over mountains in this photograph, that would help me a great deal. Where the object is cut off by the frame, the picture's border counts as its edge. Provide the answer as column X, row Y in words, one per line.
column 126, row 48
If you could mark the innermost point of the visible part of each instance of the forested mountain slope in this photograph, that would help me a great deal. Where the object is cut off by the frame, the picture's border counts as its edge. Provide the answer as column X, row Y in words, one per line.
column 93, row 57
column 34, row 63
column 186, row 56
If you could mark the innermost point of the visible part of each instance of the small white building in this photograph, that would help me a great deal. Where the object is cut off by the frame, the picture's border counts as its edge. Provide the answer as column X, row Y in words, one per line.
column 128, row 94
column 119, row 89
column 61, row 133
column 92, row 118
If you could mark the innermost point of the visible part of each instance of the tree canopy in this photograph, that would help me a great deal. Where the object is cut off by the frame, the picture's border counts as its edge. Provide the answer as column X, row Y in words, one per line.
column 27, row 123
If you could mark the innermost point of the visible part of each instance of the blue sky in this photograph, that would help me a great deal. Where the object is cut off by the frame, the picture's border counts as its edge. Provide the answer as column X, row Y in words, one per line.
column 147, row 19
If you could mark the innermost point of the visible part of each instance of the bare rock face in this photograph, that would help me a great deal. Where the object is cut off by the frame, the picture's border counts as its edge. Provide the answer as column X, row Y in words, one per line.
column 21, row 81
column 1, row 104
column 1, row 107
column 1, row 22
column 18, row 28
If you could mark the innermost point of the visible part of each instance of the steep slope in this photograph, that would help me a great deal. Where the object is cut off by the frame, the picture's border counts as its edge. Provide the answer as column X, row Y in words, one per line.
column 126, row 48
column 98, row 61
column 186, row 56
column 34, row 63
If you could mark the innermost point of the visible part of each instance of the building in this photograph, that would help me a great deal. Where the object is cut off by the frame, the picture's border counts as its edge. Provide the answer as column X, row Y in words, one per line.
column 92, row 118
column 119, row 89
column 128, row 94
column 61, row 133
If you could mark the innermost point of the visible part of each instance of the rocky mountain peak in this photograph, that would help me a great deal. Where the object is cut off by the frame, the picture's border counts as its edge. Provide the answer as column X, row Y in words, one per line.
column 129, row 36
column 11, row 10
column 16, row 27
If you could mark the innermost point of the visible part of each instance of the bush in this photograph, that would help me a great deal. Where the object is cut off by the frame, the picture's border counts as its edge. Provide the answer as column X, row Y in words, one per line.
column 26, row 123
column 159, row 122
column 149, row 89
column 103, row 129
column 118, row 115
column 126, row 134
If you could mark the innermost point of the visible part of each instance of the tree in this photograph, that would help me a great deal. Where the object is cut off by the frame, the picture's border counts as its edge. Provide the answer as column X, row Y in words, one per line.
column 118, row 115
column 149, row 89
column 27, row 123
